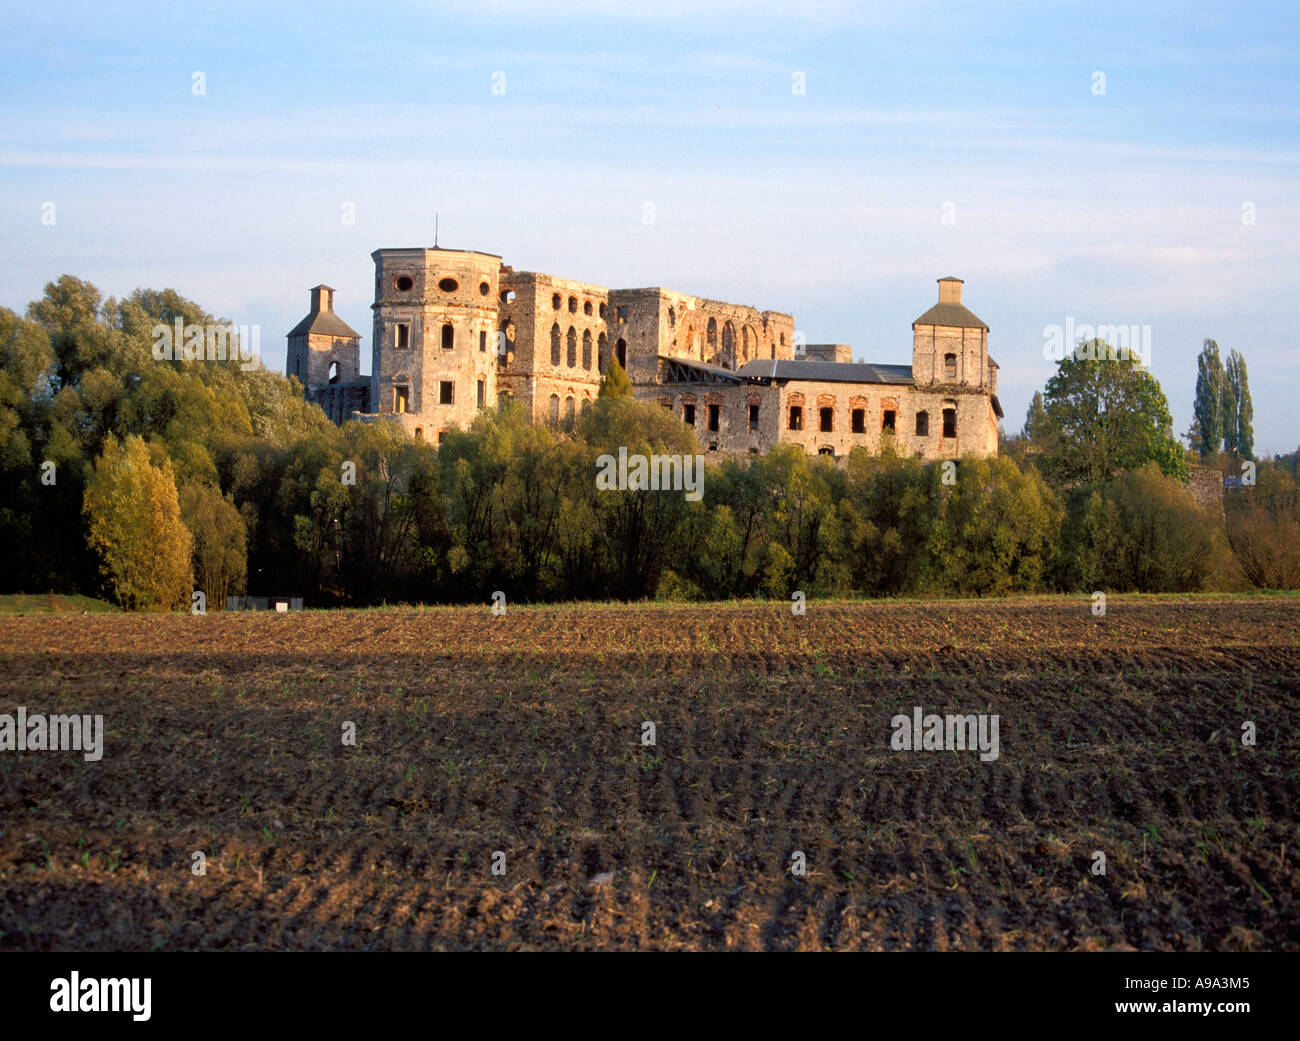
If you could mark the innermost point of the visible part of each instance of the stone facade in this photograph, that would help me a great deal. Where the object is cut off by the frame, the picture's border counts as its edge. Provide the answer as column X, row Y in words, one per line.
column 456, row 331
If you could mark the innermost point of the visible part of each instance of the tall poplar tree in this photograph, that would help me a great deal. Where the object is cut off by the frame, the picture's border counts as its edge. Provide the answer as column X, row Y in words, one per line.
column 1208, row 407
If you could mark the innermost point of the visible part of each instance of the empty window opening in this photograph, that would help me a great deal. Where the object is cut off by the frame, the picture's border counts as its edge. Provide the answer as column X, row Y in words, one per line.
column 586, row 349
column 688, row 415
column 753, row 417
column 401, row 399
column 507, row 296
column 923, row 424
column 484, row 289
column 448, row 336
column 796, row 417
column 482, row 341
column 441, row 435
column 402, row 336
column 572, row 352
column 715, row 413
column 621, row 350
column 446, row 392
column 950, row 366
column 621, row 314
column 888, row 422
column 553, row 412
column 604, row 311
column 827, row 420
column 859, row 421
column 419, row 433
column 405, row 283
column 568, row 411
column 555, row 301
column 482, row 393
column 449, row 285
column 826, row 450
column 586, row 307
column 950, row 422
column 334, row 372
column 555, row 345
column 573, row 305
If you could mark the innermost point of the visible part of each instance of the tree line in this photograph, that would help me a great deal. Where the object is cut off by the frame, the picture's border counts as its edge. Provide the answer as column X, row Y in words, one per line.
column 142, row 481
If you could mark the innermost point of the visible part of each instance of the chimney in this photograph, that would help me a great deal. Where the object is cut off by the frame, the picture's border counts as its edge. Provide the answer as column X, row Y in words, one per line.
column 322, row 299
column 950, row 290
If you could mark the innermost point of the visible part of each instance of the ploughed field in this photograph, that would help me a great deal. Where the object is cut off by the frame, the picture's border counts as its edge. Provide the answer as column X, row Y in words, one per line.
column 523, row 734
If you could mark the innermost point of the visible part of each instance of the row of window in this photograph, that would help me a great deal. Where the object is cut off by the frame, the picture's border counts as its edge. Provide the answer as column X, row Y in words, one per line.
column 858, row 421
column 571, row 352
column 825, row 417
column 569, row 404
column 446, row 395
column 402, row 337
column 405, row 283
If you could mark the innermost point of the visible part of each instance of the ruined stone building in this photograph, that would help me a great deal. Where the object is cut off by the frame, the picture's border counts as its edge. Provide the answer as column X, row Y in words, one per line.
column 457, row 331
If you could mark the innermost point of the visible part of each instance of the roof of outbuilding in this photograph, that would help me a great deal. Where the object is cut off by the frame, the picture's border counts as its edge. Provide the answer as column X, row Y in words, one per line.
column 324, row 323
column 827, row 371
column 955, row 316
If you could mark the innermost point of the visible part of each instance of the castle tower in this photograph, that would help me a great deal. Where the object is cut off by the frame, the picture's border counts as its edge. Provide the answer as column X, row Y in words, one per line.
column 950, row 345
column 323, row 349
column 435, row 350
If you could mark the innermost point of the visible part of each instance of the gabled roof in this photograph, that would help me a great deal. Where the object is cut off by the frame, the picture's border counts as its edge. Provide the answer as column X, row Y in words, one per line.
column 827, row 371
column 324, row 323
column 955, row 316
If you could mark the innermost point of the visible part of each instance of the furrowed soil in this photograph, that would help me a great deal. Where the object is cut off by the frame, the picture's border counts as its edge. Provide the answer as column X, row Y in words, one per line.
column 1118, row 735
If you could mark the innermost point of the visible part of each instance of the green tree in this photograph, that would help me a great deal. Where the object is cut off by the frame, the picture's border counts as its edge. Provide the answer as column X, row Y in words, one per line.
column 220, row 557
column 1208, row 407
column 1142, row 532
column 134, row 524
column 1035, row 417
column 1105, row 415
column 994, row 530
column 1238, row 424
column 616, row 383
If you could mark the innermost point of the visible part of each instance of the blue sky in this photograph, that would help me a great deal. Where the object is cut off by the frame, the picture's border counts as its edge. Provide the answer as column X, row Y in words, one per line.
column 931, row 140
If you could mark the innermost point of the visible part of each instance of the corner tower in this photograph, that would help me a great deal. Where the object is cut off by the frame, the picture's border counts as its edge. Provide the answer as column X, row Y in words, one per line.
column 435, row 358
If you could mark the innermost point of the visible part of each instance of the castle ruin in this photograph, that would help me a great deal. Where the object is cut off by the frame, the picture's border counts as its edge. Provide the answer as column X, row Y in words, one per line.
column 458, row 331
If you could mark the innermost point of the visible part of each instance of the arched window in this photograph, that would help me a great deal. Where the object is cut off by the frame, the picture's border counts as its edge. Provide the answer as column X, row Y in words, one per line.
column 713, row 333
column 728, row 357
column 555, row 345
column 950, row 366
column 620, row 349
column 572, row 341
column 602, row 351
column 586, row 402
column 573, row 305
column 419, row 433
column 586, row 349
column 568, row 411
column 554, row 414
column 448, row 336
column 555, row 301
